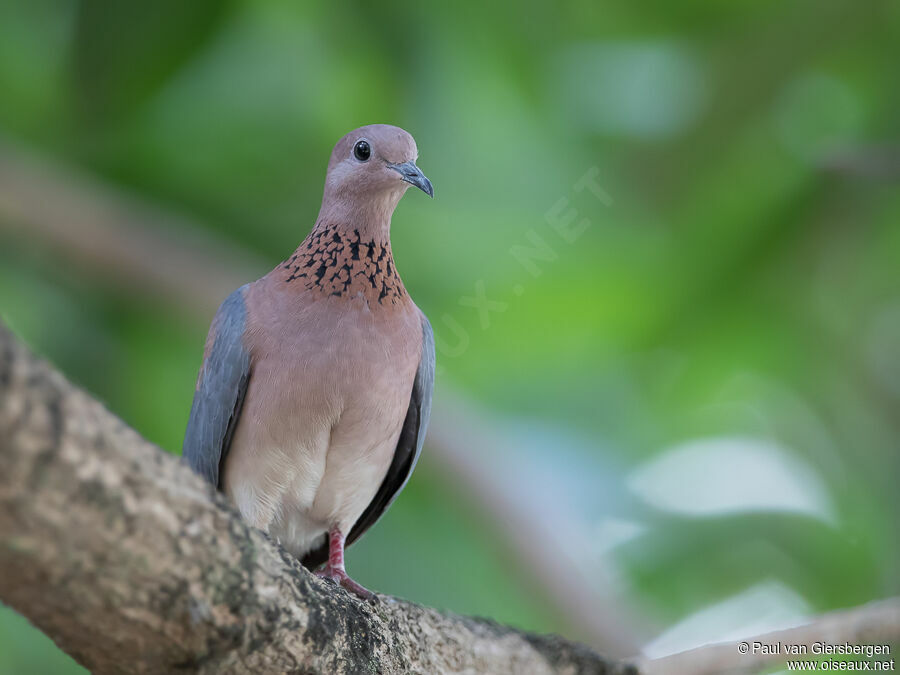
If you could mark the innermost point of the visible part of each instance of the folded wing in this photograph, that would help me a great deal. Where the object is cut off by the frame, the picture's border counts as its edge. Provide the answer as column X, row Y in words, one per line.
column 221, row 388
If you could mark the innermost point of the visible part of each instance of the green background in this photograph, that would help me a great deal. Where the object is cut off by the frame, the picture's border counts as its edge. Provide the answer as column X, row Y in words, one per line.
column 734, row 305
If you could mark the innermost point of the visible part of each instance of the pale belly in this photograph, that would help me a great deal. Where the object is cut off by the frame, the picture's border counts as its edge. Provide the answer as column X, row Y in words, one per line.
column 320, row 425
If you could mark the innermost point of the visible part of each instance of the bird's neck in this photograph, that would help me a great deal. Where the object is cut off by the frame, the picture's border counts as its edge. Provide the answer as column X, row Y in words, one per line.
column 344, row 261
column 368, row 213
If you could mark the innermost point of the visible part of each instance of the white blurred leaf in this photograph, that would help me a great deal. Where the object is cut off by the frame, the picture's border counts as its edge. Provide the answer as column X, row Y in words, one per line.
column 765, row 607
column 731, row 475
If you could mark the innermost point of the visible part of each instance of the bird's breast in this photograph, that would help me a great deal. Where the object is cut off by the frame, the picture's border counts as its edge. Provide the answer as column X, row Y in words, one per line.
column 330, row 385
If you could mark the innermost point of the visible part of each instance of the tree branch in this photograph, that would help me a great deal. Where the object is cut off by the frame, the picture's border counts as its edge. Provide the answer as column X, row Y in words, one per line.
column 108, row 233
column 133, row 564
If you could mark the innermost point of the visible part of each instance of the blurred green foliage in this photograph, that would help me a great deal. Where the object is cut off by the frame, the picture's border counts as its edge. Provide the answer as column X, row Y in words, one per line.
column 742, row 282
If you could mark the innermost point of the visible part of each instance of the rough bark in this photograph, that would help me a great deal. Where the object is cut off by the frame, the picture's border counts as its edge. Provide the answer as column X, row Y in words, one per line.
column 133, row 565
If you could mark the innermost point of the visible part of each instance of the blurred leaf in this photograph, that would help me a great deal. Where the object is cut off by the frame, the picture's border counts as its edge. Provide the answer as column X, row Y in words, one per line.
column 124, row 51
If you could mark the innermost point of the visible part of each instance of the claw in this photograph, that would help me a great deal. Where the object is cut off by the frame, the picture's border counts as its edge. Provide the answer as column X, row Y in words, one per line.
column 334, row 571
column 342, row 579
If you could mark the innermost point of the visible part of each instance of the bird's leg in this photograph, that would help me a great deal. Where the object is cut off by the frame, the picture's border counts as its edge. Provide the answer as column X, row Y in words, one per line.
column 334, row 568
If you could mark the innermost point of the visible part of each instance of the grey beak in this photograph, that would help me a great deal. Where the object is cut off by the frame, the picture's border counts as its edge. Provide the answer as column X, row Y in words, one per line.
column 414, row 176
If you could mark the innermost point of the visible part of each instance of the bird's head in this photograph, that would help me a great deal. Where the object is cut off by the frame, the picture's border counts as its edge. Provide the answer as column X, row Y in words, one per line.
column 372, row 167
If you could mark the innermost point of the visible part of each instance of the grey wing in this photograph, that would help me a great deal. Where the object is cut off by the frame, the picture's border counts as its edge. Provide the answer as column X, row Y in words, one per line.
column 220, row 392
column 409, row 447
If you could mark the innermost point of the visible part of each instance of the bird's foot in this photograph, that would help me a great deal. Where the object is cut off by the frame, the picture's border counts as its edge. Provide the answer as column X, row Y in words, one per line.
column 341, row 578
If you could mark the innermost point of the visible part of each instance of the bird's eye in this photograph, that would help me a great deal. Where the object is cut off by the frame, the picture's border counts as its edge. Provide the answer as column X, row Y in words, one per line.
column 362, row 151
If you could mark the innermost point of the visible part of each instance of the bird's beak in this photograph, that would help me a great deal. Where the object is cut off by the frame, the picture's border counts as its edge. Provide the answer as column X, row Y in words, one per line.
column 413, row 175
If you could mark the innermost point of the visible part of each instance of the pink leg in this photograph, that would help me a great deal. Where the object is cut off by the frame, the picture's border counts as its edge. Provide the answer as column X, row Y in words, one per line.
column 334, row 568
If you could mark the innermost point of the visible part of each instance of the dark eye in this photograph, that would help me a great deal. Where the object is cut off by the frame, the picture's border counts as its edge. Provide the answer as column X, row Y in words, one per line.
column 362, row 151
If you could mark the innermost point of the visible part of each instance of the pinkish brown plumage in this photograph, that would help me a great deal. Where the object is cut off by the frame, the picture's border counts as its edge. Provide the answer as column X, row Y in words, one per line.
column 315, row 391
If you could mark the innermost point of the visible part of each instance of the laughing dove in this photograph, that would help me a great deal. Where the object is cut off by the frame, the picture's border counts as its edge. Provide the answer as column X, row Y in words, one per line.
column 315, row 389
